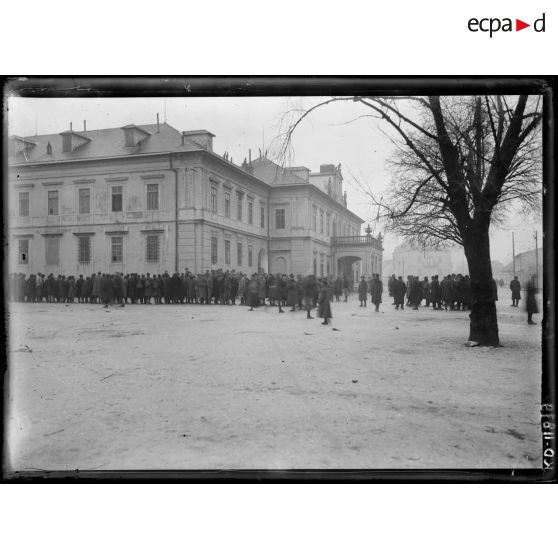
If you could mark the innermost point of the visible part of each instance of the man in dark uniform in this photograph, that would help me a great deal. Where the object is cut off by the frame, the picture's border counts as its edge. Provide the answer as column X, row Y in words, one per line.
column 376, row 290
column 233, row 287
column 362, row 291
column 515, row 287
column 435, row 293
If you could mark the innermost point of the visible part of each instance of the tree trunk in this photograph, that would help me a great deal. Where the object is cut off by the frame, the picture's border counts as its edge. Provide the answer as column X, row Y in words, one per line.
column 484, row 322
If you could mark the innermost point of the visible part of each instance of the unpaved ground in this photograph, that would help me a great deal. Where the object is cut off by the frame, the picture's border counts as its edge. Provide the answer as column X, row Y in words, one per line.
column 190, row 387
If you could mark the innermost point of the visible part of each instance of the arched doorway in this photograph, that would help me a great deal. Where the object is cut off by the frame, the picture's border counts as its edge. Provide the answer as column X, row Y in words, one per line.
column 262, row 261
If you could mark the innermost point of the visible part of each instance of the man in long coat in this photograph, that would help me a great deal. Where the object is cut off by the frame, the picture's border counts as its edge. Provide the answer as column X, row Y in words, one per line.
column 435, row 293
column 324, row 305
column 362, row 291
column 376, row 291
column 415, row 293
column 515, row 287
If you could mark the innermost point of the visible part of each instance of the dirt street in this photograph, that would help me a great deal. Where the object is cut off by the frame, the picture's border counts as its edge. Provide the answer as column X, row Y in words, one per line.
column 206, row 387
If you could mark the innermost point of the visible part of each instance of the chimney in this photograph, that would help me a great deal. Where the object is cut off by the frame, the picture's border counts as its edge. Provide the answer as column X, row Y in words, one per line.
column 84, row 126
column 70, row 125
column 250, row 157
column 158, row 130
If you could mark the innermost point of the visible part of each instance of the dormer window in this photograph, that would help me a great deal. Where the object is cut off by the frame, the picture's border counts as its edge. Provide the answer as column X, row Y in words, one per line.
column 133, row 135
column 72, row 141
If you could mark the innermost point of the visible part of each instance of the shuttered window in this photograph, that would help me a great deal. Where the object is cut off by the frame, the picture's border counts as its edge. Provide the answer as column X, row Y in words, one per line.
column 152, row 248
column 52, row 256
column 227, row 252
column 24, row 204
column 213, row 250
column 239, row 253
column 84, row 200
column 84, row 249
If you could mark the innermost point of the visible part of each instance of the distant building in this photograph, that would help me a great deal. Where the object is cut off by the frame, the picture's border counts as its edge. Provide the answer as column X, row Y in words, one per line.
column 150, row 198
column 408, row 260
column 525, row 267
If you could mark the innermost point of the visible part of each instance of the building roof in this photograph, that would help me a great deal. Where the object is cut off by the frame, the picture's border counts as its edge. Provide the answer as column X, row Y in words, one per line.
column 107, row 142
column 523, row 256
column 273, row 174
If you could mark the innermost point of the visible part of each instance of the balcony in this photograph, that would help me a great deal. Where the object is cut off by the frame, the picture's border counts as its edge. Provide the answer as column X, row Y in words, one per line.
column 357, row 241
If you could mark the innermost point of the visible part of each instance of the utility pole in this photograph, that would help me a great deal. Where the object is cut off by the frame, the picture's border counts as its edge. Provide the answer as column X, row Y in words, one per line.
column 513, row 254
column 536, row 261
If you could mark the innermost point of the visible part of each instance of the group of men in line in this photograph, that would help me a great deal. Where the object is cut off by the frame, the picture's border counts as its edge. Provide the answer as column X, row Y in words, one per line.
column 453, row 292
column 211, row 287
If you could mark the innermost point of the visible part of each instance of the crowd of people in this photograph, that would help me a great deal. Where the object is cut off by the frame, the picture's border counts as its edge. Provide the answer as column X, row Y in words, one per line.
column 452, row 293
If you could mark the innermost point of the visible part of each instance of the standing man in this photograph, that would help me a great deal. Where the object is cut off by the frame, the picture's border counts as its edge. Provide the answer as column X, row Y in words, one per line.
column 376, row 290
column 399, row 290
column 515, row 287
column 362, row 291
column 324, row 297
column 391, row 282
column 345, row 288
column 308, row 289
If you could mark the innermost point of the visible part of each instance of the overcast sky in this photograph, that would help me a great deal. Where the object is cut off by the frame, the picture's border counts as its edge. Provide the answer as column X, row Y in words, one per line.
column 330, row 135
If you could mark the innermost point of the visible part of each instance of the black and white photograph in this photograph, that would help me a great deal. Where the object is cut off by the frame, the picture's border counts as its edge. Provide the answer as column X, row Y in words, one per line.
column 228, row 279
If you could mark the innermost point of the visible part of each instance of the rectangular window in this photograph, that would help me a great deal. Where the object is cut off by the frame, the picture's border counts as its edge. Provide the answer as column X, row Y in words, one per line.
column 327, row 224
column 250, row 260
column 314, row 219
column 117, row 198
column 239, row 197
column 152, row 197
column 262, row 217
column 84, row 249
column 250, row 211
column 227, row 204
column 24, row 204
column 321, row 222
column 117, row 249
column 52, row 250
column 213, row 250
column 227, row 251
column 84, row 200
column 23, row 251
column 279, row 218
column 214, row 199
column 152, row 248
column 53, row 202
column 239, row 253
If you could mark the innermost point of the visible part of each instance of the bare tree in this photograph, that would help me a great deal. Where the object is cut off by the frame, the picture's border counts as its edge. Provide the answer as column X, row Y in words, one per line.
column 460, row 164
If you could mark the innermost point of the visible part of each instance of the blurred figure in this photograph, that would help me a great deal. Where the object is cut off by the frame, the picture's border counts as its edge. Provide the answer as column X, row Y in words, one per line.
column 531, row 303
